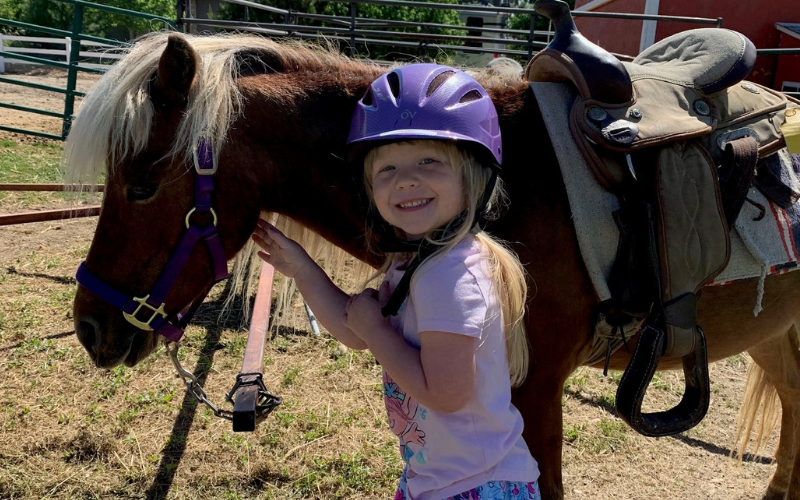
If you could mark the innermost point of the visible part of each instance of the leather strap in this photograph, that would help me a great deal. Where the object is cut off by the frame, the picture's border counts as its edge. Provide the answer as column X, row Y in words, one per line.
column 737, row 173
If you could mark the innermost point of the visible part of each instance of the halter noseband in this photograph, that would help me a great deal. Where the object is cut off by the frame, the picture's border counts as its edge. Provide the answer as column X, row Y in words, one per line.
column 153, row 303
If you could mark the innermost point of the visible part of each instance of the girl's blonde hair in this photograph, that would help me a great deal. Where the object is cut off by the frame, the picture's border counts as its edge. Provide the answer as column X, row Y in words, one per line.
column 508, row 275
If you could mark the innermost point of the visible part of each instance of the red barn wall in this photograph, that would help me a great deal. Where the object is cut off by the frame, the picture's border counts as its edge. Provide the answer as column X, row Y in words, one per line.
column 754, row 20
column 788, row 67
column 621, row 36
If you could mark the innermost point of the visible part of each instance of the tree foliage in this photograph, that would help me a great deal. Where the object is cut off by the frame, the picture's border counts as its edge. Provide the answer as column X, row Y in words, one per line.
column 426, row 47
column 59, row 15
column 523, row 21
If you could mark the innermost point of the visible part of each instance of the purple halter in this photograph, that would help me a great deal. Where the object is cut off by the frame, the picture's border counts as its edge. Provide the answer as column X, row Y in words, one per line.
column 151, row 306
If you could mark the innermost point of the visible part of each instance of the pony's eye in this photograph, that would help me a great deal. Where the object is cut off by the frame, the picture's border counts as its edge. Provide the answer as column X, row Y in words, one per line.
column 142, row 192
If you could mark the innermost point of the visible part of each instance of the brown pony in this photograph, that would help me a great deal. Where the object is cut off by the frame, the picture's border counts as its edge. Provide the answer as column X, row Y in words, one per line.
column 277, row 116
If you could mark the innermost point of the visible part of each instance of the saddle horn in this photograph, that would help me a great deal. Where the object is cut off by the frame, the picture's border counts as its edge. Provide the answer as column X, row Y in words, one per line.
column 571, row 58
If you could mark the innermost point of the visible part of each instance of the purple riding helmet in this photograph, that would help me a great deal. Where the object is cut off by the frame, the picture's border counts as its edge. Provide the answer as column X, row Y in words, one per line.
column 425, row 101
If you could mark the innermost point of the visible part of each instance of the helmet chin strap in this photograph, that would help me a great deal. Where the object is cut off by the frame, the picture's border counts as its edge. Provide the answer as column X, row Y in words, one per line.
column 424, row 248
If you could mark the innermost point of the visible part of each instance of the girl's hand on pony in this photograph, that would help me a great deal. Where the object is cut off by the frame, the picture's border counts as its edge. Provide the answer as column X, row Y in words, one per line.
column 363, row 315
column 284, row 254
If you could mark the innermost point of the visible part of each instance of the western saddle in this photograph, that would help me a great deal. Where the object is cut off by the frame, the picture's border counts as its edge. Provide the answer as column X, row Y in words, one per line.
column 676, row 135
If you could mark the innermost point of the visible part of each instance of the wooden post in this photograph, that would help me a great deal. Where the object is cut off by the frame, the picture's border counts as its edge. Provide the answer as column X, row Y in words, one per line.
column 192, row 8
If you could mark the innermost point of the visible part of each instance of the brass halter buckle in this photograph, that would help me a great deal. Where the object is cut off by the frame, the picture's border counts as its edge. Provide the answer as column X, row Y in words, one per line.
column 131, row 318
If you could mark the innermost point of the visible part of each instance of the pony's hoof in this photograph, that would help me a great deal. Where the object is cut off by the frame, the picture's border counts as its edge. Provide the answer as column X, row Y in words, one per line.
column 773, row 493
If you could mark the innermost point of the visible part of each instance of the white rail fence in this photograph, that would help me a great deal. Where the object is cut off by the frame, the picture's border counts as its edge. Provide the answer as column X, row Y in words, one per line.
column 100, row 54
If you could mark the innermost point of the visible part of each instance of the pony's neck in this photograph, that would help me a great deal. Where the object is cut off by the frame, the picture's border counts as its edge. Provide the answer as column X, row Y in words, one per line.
column 295, row 126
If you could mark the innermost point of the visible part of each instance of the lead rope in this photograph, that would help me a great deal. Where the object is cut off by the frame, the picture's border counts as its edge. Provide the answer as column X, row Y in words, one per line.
column 266, row 400
column 192, row 385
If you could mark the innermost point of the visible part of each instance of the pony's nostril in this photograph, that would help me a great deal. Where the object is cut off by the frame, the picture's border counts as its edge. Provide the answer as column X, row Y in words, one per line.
column 88, row 334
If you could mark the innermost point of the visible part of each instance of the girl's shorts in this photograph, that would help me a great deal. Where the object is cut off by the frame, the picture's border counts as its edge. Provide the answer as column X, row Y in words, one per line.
column 492, row 490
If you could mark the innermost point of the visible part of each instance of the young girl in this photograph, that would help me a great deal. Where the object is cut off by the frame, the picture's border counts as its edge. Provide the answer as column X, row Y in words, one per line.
column 453, row 344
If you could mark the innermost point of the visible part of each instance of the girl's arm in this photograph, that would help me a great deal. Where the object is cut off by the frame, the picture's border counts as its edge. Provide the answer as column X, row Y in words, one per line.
column 323, row 297
column 440, row 375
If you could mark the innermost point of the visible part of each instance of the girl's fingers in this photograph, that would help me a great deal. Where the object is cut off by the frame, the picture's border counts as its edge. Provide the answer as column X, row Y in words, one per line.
column 261, row 242
column 272, row 233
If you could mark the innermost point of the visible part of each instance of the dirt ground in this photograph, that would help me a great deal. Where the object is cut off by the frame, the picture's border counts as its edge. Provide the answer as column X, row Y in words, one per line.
column 68, row 430
column 35, row 98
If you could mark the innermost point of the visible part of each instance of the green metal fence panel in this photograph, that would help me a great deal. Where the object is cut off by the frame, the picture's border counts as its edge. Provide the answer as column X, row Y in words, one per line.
column 28, row 109
column 39, row 86
column 35, row 133
column 48, row 62
column 116, row 10
column 58, row 32
column 76, row 36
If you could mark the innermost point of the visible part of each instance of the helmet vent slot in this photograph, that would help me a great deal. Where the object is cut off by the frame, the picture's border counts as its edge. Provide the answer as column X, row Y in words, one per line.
column 472, row 95
column 438, row 82
column 367, row 99
column 394, row 83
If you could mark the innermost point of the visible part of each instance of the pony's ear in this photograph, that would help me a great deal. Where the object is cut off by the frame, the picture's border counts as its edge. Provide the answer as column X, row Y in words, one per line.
column 176, row 71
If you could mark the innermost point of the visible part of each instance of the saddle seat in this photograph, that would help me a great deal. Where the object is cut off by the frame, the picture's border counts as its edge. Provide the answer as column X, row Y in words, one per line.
column 707, row 59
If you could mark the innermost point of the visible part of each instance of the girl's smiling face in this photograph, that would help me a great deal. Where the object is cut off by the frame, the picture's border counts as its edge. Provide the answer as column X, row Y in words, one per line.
column 415, row 188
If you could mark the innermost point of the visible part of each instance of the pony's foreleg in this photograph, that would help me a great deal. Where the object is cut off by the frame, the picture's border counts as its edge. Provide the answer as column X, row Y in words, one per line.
column 539, row 401
column 779, row 358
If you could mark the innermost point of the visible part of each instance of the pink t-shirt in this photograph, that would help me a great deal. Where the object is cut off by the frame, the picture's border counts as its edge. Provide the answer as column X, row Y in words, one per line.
column 448, row 453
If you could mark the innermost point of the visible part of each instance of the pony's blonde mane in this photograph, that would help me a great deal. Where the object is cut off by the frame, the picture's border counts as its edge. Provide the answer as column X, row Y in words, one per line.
column 115, row 120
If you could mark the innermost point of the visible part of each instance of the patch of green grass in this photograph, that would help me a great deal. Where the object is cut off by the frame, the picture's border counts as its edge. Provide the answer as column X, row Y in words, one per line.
column 614, row 434
column 158, row 399
column 607, row 435
column 95, row 414
column 607, row 400
column 354, row 417
column 25, row 315
column 284, row 418
column 664, row 385
column 32, row 163
column 119, row 377
column 575, row 384
column 35, row 345
column 28, row 163
column 235, row 347
column 574, row 433
column 338, row 476
column 290, row 377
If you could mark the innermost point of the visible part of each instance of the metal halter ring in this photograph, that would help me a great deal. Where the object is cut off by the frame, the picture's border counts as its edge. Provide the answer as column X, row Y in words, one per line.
column 189, row 215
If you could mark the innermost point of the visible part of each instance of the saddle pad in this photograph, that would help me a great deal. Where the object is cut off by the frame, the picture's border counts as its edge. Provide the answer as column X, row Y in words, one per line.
column 759, row 248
